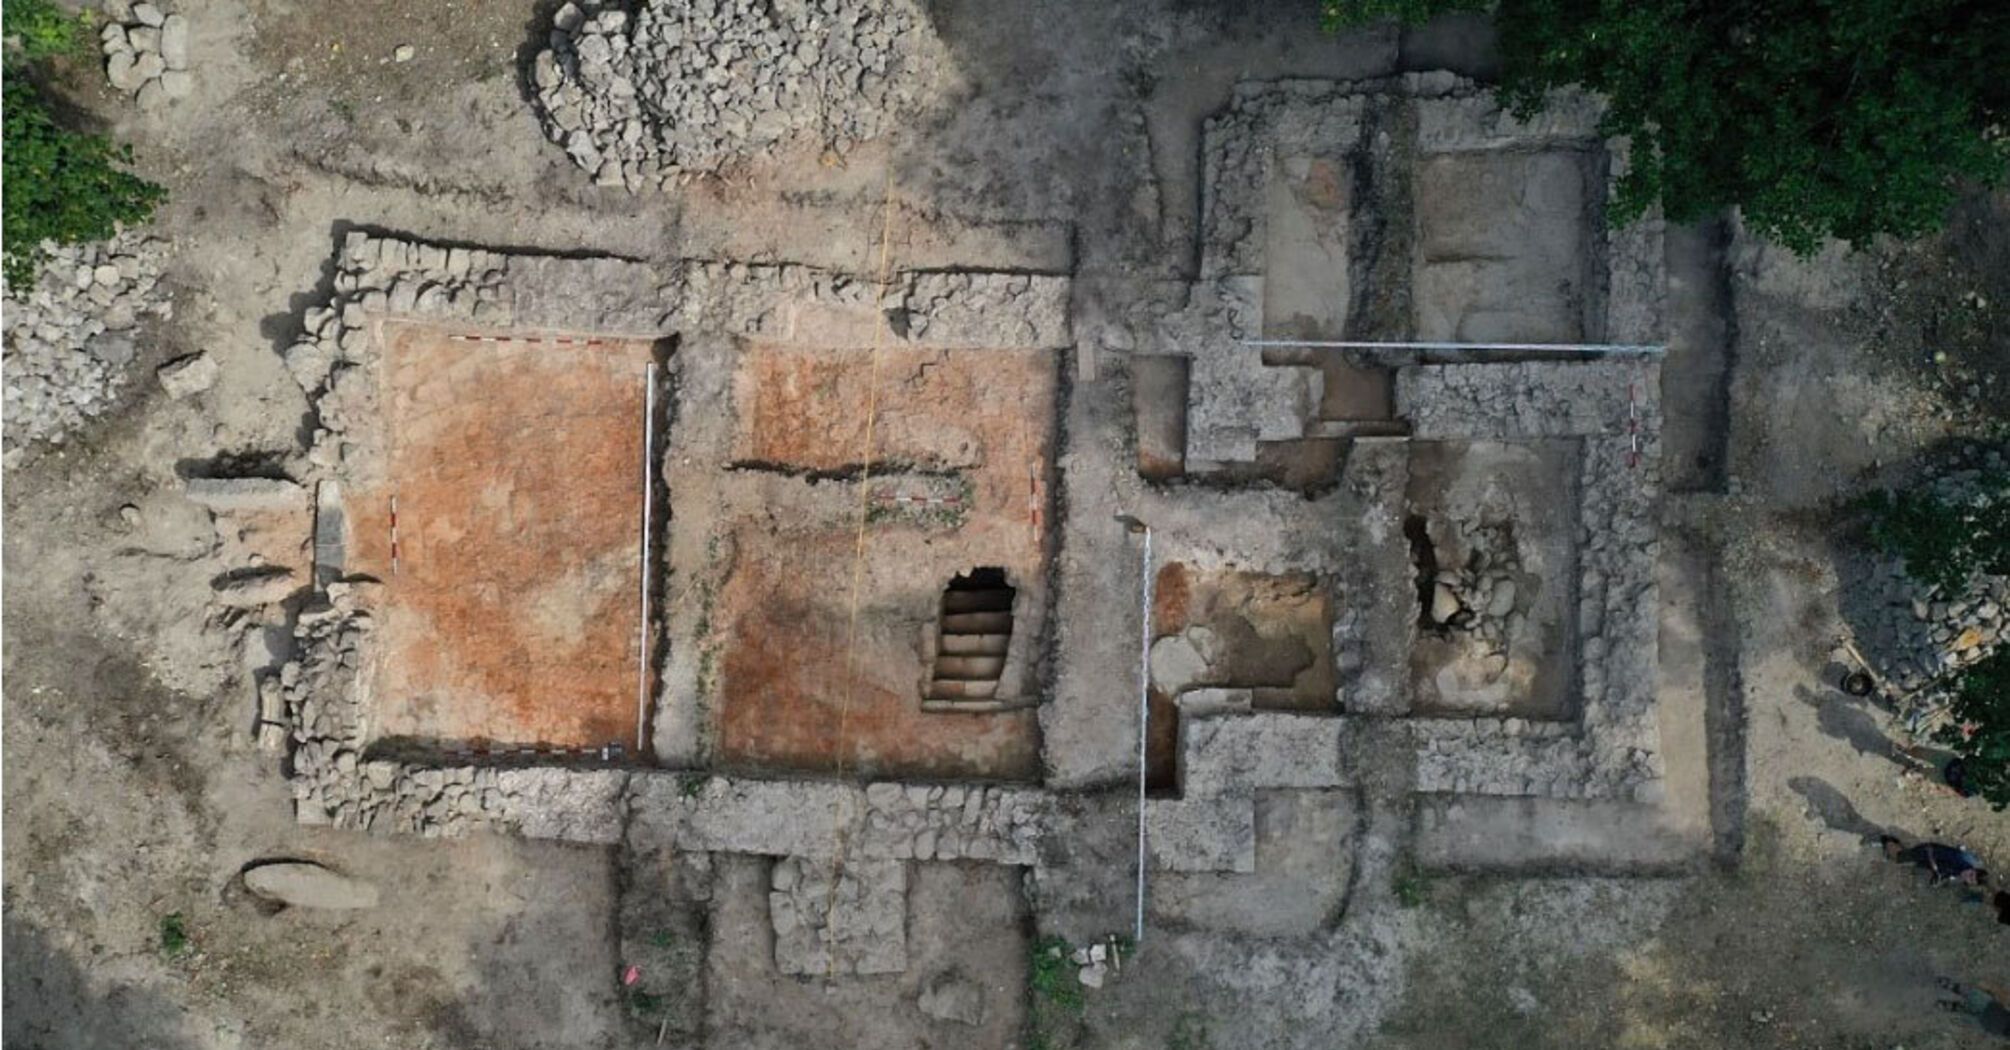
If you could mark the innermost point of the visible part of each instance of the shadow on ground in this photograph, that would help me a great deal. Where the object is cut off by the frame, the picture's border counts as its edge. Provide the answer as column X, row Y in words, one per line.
column 53, row 1001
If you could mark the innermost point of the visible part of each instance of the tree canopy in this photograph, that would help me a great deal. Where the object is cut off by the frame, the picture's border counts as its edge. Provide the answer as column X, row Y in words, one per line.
column 1818, row 118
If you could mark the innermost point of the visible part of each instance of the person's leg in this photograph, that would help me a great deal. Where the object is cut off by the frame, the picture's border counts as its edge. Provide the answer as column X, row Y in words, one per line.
column 1968, row 1002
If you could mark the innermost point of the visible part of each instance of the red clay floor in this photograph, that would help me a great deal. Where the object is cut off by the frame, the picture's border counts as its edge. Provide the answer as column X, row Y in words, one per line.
column 512, row 616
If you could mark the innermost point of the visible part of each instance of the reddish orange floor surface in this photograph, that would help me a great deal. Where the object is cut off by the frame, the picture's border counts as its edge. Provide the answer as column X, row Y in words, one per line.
column 799, row 691
column 512, row 617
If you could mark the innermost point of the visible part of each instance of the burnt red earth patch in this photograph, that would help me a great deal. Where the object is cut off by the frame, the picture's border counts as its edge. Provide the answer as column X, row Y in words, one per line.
column 512, row 615
column 802, row 688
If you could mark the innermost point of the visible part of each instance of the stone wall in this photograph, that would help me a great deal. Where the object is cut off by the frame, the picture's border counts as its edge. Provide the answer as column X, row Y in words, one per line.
column 1224, row 760
column 1613, row 406
column 1392, row 128
column 320, row 699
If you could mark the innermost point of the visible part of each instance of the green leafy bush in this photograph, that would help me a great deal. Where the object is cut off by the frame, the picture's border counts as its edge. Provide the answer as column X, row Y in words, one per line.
column 42, row 29
column 1944, row 541
column 1819, row 118
column 1981, row 730
column 174, row 936
column 60, row 185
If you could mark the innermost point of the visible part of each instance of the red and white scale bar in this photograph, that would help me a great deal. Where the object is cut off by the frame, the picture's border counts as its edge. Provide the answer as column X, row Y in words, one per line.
column 605, row 752
column 542, row 340
column 889, row 497
column 1633, row 424
column 394, row 535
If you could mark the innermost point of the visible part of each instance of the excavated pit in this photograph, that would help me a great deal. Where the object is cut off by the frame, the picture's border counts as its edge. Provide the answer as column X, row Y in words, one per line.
column 892, row 631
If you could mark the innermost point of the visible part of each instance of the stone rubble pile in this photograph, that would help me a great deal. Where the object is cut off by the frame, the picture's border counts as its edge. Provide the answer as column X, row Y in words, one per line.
column 694, row 85
column 1920, row 636
column 71, row 338
column 1478, row 596
column 146, row 53
column 1959, row 633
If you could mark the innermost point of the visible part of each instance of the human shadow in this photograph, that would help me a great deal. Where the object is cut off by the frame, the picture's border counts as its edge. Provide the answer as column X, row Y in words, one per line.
column 53, row 1003
column 1834, row 809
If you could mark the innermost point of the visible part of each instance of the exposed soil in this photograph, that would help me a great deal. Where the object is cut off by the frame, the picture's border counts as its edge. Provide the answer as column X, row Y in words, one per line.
column 831, row 619
column 135, row 790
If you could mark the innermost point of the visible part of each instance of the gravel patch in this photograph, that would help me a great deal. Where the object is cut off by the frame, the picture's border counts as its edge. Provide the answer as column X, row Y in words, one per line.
column 71, row 339
column 695, row 85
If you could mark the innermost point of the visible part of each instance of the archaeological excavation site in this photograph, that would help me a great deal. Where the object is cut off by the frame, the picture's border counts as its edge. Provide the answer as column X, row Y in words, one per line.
column 840, row 603
column 870, row 523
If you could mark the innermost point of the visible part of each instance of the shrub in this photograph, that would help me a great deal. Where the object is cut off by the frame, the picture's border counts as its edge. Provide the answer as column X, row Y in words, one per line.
column 1819, row 118
column 174, row 936
column 1981, row 730
column 1944, row 541
column 42, row 29
column 60, row 185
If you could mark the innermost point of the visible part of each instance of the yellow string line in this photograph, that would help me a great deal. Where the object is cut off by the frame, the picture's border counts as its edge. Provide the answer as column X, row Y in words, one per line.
column 858, row 561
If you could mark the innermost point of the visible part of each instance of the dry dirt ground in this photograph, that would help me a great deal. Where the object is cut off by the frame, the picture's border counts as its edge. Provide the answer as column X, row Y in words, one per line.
column 134, row 791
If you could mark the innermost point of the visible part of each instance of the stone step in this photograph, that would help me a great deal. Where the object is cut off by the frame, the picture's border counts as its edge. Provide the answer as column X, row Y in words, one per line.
column 977, row 623
column 958, row 601
column 975, row 644
column 946, row 689
column 970, row 668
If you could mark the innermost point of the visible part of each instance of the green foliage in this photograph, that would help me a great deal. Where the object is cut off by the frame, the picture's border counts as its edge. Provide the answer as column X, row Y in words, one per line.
column 1981, row 733
column 174, row 936
column 1819, row 118
column 1412, row 891
column 1336, row 15
column 60, row 185
column 1944, row 542
column 42, row 29
column 644, row 1004
column 1052, row 974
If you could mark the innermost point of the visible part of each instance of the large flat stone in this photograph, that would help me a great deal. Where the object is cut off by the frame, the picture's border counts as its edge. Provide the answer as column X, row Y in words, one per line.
column 301, row 884
column 244, row 493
